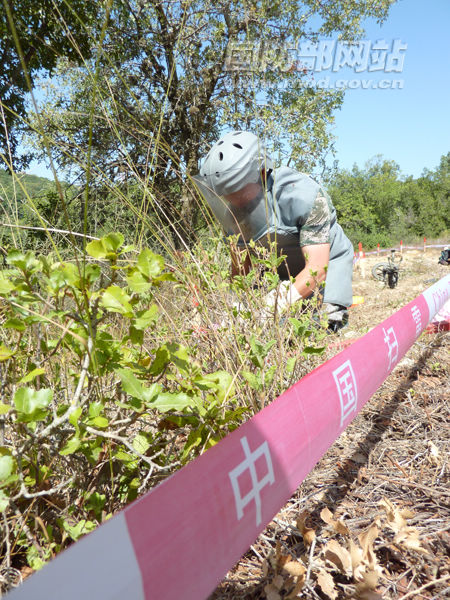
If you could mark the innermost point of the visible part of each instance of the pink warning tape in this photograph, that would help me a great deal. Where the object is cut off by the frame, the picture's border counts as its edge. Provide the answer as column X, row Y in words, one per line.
column 441, row 321
column 180, row 539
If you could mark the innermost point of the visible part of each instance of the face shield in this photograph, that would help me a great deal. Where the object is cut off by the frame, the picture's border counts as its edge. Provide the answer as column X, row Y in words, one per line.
column 247, row 212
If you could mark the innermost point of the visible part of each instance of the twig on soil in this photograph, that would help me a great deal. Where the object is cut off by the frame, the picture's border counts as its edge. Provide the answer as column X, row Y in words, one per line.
column 311, row 554
column 423, row 587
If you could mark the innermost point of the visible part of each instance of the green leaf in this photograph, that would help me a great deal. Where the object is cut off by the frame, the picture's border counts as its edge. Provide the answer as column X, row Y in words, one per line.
column 66, row 274
column 135, row 388
column 138, row 282
column 115, row 299
column 106, row 247
column 136, row 336
column 301, row 330
column 95, row 408
column 113, row 241
column 171, row 401
column 164, row 277
column 31, row 405
column 194, row 440
column 100, row 422
column 290, row 364
column 197, row 403
column 5, row 353
column 146, row 318
column 24, row 262
column 131, row 384
column 92, row 273
column 15, row 323
column 96, row 249
column 74, row 417
column 71, row 275
column 76, row 531
column 161, row 360
column 96, row 502
column 312, row 350
column 253, row 381
column 149, row 263
column 34, row 558
column 223, row 384
column 259, row 351
column 123, row 456
column 6, row 466
column 4, row 408
column 179, row 355
column 31, row 375
column 141, row 443
column 151, row 392
column 71, row 446
column 6, row 287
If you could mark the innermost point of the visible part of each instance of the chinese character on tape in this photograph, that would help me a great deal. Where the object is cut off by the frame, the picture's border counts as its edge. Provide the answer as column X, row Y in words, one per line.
column 390, row 339
column 248, row 464
column 346, row 386
column 415, row 312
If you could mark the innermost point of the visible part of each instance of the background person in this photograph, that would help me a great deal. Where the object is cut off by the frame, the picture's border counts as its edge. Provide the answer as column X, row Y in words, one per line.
column 252, row 199
column 444, row 258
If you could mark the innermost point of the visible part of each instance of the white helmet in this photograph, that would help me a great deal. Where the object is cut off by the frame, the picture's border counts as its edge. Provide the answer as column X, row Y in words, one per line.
column 237, row 159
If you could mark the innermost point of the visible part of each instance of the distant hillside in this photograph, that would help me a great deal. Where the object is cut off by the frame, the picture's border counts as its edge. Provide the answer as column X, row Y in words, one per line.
column 11, row 188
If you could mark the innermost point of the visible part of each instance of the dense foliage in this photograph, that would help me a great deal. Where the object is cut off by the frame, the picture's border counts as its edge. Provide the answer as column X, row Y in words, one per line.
column 377, row 205
column 27, row 202
column 115, row 371
column 165, row 77
column 33, row 36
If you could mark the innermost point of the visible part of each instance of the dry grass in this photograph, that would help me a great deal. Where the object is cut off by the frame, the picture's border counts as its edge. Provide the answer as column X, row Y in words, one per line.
column 384, row 481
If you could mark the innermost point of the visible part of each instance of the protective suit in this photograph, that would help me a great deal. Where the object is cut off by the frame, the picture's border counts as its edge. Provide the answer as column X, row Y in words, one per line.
column 293, row 211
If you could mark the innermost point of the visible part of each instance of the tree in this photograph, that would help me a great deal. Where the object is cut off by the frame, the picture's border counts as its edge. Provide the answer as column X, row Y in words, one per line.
column 165, row 81
column 367, row 200
column 442, row 181
column 376, row 205
column 33, row 36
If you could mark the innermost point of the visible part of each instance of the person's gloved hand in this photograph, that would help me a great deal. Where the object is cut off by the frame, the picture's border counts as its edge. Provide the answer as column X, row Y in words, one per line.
column 282, row 296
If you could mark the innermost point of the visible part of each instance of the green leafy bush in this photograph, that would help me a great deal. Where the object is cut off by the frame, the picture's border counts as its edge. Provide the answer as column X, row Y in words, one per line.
column 116, row 370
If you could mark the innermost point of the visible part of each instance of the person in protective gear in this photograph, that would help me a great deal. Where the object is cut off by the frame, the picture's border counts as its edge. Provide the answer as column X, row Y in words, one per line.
column 444, row 258
column 255, row 201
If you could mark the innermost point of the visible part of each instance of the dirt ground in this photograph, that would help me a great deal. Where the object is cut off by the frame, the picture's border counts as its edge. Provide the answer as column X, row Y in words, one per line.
column 371, row 520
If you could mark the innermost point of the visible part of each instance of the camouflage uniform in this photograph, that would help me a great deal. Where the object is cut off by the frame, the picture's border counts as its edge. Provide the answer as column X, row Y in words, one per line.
column 300, row 213
column 316, row 229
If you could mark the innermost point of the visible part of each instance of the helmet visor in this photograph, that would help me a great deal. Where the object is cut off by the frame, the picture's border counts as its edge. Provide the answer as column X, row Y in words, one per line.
column 247, row 213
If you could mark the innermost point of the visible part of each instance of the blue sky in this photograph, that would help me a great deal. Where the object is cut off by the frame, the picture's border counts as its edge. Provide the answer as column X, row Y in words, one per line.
column 410, row 125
